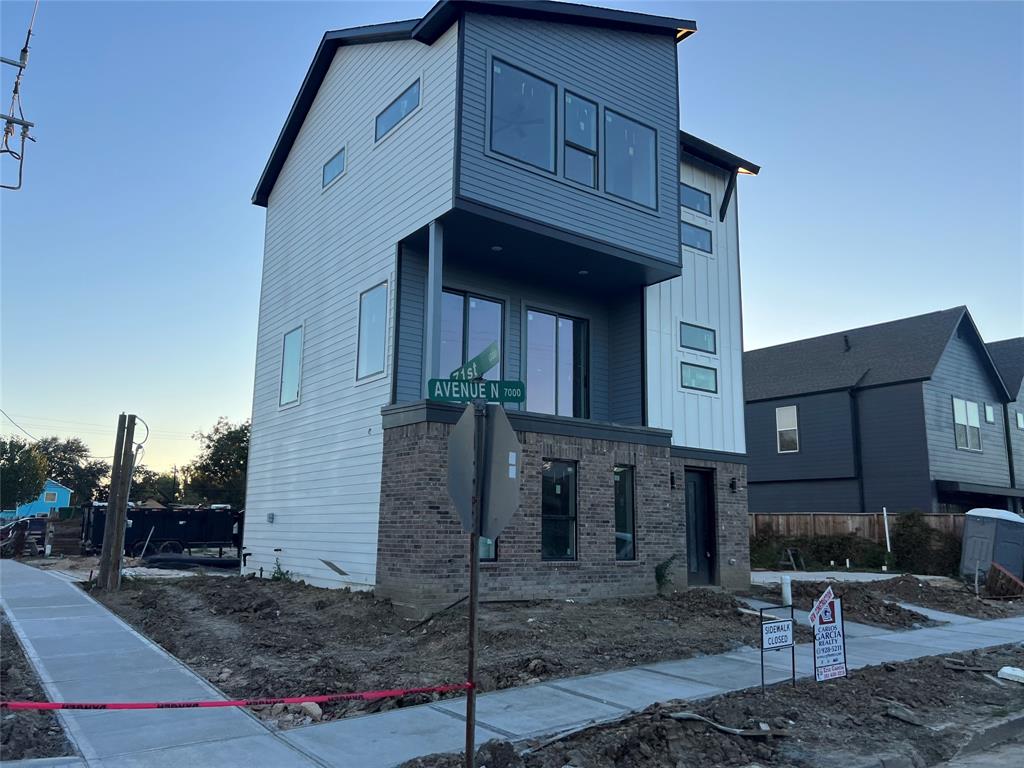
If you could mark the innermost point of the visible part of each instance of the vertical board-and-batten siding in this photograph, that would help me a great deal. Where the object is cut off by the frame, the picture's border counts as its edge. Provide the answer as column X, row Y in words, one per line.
column 316, row 465
column 707, row 294
column 963, row 372
column 630, row 72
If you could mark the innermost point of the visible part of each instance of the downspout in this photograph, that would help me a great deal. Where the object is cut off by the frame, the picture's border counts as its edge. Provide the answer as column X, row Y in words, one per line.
column 858, row 462
column 1008, row 442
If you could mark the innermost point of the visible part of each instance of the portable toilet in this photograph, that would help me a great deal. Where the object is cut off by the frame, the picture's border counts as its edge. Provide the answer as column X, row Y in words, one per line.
column 992, row 536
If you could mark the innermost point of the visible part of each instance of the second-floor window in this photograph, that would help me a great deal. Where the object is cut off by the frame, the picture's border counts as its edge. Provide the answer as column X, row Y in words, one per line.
column 1020, row 419
column 630, row 159
column 787, row 429
column 697, row 337
column 50, row 497
column 696, row 237
column 291, row 366
column 580, row 140
column 695, row 199
column 966, row 424
column 522, row 116
column 556, row 364
column 373, row 321
column 990, row 414
column 469, row 325
column 397, row 111
column 334, row 167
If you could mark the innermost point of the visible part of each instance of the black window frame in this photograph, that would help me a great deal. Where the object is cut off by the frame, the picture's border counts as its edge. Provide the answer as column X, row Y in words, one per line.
column 632, row 512
column 465, row 295
column 652, row 129
column 714, row 338
column 359, row 331
column 779, row 431
column 682, row 366
column 377, row 135
column 711, row 238
column 690, row 207
column 570, row 144
column 574, row 517
column 584, row 352
column 967, row 426
column 553, row 170
column 324, row 181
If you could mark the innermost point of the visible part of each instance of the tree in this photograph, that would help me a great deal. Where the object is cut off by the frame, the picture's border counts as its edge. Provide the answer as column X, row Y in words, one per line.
column 23, row 472
column 148, row 484
column 72, row 466
column 217, row 476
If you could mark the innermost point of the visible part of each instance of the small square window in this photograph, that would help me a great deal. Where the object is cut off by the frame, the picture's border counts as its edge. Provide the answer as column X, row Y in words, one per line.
column 699, row 377
column 695, row 199
column 696, row 237
column 697, row 337
column 50, row 497
column 990, row 414
column 580, row 166
column 334, row 167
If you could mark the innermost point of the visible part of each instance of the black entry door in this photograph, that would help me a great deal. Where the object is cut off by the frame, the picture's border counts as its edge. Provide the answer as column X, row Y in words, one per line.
column 700, row 528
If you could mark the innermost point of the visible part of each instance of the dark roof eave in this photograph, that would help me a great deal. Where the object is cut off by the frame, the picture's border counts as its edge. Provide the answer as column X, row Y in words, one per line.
column 709, row 153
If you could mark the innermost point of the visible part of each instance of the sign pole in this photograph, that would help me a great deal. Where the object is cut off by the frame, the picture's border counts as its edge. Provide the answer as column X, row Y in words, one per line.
column 479, row 443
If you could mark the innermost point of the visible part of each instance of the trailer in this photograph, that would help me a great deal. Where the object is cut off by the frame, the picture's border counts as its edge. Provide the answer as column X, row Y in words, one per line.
column 171, row 530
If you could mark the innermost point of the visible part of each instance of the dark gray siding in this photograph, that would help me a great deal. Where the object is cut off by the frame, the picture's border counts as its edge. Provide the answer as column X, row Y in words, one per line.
column 826, row 439
column 839, row 497
column 894, row 455
column 630, row 72
column 614, row 329
column 1016, row 441
column 962, row 372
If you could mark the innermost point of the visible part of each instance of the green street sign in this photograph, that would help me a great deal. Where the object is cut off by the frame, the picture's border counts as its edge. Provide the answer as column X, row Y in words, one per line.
column 458, row 391
column 479, row 365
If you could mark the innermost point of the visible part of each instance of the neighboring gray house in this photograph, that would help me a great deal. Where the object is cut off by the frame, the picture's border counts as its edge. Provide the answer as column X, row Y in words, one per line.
column 905, row 415
column 1008, row 355
column 512, row 174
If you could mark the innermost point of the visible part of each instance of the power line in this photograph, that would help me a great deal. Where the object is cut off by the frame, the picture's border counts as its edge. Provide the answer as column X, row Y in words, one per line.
column 19, row 425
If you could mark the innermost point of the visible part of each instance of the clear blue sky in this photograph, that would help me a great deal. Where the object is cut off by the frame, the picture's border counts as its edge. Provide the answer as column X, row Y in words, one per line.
column 890, row 136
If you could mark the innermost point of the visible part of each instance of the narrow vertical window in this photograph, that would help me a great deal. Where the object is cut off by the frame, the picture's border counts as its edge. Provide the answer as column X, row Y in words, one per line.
column 334, row 167
column 397, row 111
column 373, row 310
column 1020, row 419
column 522, row 116
column 630, row 160
column 580, row 140
column 787, row 430
column 556, row 363
column 990, row 414
column 291, row 366
column 966, row 424
column 558, row 510
column 625, row 515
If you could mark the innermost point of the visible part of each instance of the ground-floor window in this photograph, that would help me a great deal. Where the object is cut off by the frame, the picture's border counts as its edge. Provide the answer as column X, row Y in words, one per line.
column 625, row 515
column 558, row 510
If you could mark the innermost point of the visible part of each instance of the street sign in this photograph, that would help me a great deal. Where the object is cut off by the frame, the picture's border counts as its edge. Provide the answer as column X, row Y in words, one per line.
column 479, row 365
column 829, row 642
column 459, row 391
column 777, row 634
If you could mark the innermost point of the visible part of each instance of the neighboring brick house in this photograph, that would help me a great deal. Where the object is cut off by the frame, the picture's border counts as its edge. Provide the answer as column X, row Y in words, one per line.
column 906, row 415
column 506, row 174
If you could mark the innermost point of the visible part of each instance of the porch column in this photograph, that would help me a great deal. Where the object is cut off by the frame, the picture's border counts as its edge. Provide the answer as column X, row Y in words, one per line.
column 435, row 265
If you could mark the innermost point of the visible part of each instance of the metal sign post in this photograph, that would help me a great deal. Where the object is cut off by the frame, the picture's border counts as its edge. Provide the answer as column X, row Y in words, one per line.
column 777, row 635
column 479, row 441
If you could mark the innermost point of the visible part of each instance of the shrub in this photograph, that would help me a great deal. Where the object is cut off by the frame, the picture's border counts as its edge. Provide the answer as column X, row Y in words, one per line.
column 919, row 548
column 818, row 552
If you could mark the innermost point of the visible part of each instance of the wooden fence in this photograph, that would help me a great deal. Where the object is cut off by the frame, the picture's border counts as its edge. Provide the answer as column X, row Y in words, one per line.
column 869, row 526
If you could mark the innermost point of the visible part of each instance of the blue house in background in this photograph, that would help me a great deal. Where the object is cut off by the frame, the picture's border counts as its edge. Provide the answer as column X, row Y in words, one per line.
column 53, row 496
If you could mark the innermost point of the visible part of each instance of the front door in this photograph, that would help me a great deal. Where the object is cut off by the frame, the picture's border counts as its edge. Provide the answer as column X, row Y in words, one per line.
column 700, row 528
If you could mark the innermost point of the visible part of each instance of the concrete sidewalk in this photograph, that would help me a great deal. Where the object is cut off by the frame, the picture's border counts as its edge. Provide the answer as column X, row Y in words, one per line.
column 68, row 637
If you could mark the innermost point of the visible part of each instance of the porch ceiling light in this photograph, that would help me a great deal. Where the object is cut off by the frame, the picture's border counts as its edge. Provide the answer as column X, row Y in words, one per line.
column 584, row 272
column 497, row 248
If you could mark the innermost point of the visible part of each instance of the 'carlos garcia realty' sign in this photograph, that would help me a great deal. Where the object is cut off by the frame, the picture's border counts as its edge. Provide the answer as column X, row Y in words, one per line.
column 829, row 639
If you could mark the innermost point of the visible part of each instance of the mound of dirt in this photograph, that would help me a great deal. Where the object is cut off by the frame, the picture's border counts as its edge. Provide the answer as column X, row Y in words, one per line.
column 955, row 598
column 861, row 603
column 255, row 638
column 896, row 710
column 25, row 734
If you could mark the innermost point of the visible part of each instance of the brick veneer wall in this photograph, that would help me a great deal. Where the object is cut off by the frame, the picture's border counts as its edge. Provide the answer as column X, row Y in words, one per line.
column 422, row 551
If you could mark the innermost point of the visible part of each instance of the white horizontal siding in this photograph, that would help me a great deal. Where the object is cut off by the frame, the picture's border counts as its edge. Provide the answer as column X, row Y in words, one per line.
column 707, row 293
column 316, row 466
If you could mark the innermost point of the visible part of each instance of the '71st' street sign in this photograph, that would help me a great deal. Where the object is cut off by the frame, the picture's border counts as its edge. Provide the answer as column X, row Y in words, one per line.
column 459, row 391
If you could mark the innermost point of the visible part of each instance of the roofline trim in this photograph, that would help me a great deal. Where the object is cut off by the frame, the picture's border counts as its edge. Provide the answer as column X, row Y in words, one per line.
column 993, row 368
column 709, row 153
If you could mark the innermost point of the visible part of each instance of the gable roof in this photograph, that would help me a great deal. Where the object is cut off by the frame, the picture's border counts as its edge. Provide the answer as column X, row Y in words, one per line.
column 1008, row 356
column 887, row 353
column 50, row 482
column 427, row 30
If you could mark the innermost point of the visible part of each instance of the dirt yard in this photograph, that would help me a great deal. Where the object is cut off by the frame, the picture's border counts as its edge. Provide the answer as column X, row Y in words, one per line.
column 952, row 598
column 862, row 602
column 920, row 710
column 256, row 638
column 25, row 735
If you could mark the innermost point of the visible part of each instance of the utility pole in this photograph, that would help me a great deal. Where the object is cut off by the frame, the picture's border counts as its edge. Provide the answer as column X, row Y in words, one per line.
column 108, row 523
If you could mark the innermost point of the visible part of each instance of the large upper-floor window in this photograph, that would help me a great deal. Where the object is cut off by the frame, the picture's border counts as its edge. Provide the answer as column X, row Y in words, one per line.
column 291, row 366
column 699, row 377
column 556, row 364
column 787, row 429
column 334, row 167
column 697, row 337
column 397, row 111
column 696, row 237
column 967, row 424
column 695, row 199
column 373, row 321
column 469, row 325
column 522, row 116
column 580, row 140
column 630, row 159
column 558, row 510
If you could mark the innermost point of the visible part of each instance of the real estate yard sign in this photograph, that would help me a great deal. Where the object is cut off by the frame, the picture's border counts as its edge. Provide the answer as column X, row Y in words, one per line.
column 829, row 637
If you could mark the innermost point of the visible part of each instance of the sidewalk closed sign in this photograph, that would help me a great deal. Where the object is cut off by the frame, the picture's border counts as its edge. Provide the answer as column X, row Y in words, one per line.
column 777, row 634
column 829, row 638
